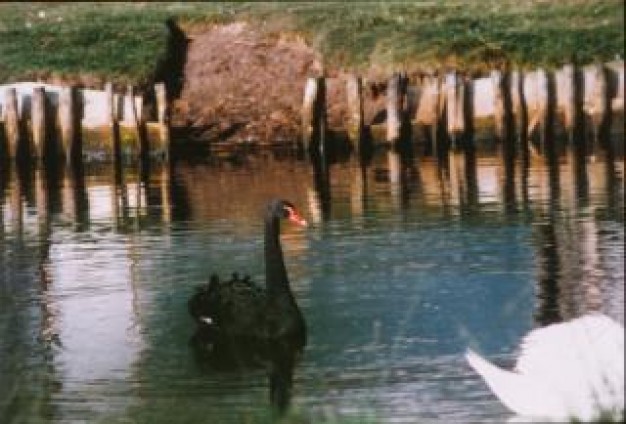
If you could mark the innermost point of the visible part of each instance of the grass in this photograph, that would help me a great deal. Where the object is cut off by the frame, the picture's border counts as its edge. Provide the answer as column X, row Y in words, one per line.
column 124, row 41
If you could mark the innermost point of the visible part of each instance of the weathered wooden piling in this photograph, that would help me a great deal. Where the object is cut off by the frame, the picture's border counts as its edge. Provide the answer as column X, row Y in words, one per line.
column 600, row 108
column 541, row 99
column 68, row 122
column 502, row 104
column 429, row 109
column 38, row 121
column 354, row 90
column 308, row 104
column 394, row 108
column 131, row 113
column 535, row 104
column 566, row 88
column 455, row 105
column 163, row 119
column 60, row 122
column 111, row 121
column 314, row 113
column 12, row 126
column 570, row 100
column 518, row 105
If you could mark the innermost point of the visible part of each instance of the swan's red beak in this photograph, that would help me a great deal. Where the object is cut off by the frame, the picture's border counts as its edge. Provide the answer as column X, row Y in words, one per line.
column 296, row 218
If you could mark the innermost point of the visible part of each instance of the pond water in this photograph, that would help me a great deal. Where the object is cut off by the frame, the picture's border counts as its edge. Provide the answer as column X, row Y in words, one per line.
column 403, row 266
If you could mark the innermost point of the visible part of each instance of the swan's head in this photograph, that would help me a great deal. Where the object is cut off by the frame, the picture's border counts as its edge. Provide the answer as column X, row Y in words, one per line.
column 283, row 209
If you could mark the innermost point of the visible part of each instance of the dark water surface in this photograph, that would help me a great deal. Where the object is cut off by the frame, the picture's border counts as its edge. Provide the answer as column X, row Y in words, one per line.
column 401, row 269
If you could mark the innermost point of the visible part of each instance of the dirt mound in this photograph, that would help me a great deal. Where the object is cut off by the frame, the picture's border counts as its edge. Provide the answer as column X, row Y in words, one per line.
column 243, row 85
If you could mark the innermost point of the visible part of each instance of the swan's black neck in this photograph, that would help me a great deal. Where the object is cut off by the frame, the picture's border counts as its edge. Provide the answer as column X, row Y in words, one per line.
column 275, row 272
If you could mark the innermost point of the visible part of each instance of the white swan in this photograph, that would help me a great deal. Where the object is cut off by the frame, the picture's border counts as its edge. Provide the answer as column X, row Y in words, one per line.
column 570, row 370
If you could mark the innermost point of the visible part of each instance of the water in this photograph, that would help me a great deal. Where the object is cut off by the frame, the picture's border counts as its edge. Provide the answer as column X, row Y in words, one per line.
column 400, row 270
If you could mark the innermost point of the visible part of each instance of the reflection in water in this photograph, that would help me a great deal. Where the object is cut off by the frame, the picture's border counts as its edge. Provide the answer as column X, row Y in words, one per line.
column 214, row 354
column 548, row 311
column 410, row 258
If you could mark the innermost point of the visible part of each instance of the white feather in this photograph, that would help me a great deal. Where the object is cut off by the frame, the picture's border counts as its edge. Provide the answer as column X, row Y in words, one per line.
column 568, row 370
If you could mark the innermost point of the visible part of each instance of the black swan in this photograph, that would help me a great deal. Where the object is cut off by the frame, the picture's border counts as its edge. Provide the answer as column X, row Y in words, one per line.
column 239, row 312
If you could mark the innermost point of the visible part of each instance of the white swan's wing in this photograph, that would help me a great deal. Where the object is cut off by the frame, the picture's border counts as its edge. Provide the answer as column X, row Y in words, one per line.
column 588, row 336
column 520, row 393
column 581, row 360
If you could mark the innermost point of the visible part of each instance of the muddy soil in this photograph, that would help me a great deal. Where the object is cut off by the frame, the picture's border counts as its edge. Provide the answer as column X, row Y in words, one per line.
column 241, row 85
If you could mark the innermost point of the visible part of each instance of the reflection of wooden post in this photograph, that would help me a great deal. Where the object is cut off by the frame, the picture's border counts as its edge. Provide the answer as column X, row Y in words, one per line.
column 162, row 116
column 69, row 124
column 354, row 88
column 394, row 104
column 166, row 201
column 42, row 195
column 16, row 203
column 12, row 122
column 38, row 122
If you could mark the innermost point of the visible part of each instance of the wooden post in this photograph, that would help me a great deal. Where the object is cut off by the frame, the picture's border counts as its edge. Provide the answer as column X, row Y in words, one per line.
column 455, row 101
column 138, row 110
column 308, row 105
column 394, row 105
column 600, row 103
column 503, row 105
column 112, row 119
column 518, row 104
column 12, row 123
column 319, row 115
column 544, row 98
column 314, row 114
column 571, row 101
column 163, row 117
column 544, row 106
column 499, row 112
column 38, row 122
column 69, row 124
column 354, row 89
column 567, row 90
column 429, row 108
column 134, row 119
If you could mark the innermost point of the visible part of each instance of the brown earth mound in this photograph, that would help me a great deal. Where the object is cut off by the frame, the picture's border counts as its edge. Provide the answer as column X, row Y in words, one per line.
column 242, row 85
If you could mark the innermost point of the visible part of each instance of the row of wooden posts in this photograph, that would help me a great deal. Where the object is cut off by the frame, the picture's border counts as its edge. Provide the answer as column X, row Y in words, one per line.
column 69, row 124
column 513, row 104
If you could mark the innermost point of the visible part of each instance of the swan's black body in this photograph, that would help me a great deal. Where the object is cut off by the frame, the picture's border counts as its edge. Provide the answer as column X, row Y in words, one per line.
column 239, row 312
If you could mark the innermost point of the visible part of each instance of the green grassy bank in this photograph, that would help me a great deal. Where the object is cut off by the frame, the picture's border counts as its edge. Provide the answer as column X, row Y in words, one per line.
column 124, row 41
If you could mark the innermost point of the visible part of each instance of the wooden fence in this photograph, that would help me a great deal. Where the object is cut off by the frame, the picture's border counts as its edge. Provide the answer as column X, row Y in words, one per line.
column 507, row 105
column 48, row 122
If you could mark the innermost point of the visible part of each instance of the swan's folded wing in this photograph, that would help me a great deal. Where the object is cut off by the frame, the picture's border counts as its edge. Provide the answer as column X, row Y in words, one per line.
column 582, row 360
column 573, row 341
column 521, row 394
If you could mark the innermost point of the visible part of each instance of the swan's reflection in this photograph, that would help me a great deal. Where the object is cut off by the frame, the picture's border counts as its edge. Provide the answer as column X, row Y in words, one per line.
column 214, row 353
